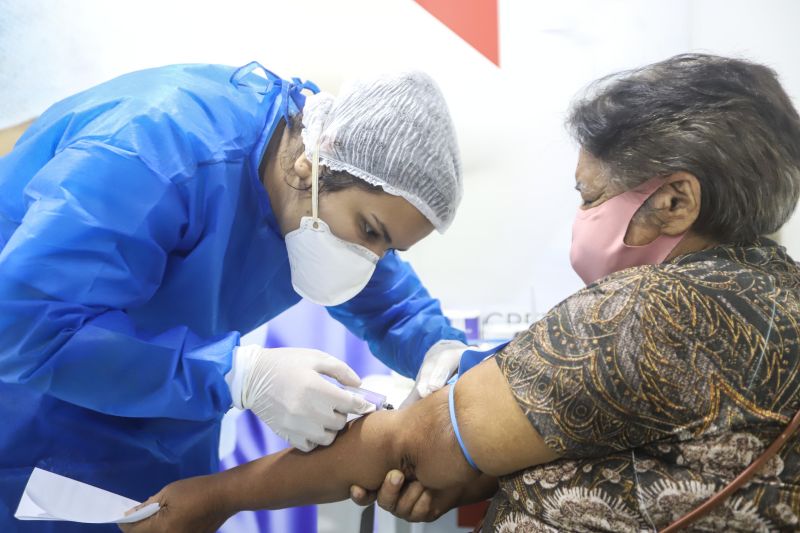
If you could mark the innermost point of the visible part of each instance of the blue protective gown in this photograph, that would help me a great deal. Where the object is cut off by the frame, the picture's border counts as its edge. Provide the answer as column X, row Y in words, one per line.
column 137, row 243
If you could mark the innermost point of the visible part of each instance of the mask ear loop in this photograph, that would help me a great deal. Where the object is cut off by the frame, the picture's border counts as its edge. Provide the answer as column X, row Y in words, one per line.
column 315, row 186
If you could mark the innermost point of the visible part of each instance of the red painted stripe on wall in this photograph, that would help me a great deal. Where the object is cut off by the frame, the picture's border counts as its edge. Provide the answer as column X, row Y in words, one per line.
column 475, row 21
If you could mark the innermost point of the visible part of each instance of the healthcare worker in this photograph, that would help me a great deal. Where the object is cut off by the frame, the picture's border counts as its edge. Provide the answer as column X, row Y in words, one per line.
column 146, row 222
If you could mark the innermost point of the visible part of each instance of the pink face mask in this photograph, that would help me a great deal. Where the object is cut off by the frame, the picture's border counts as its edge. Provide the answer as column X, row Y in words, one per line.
column 598, row 235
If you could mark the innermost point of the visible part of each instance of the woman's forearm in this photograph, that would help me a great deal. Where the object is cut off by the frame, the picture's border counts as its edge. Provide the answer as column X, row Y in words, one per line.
column 417, row 440
column 361, row 454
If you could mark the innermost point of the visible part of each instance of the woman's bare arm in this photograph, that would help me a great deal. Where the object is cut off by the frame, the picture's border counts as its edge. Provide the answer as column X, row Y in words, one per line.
column 362, row 454
column 418, row 440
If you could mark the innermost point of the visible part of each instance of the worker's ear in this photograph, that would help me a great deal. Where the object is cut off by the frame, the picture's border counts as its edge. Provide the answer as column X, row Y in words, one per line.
column 302, row 173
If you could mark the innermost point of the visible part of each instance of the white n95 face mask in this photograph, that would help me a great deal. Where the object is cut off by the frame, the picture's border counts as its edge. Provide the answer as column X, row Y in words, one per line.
column 326, row 269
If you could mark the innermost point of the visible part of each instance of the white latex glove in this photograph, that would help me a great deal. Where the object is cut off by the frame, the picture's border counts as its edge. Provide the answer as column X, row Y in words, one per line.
column 284, row 387
column 438, row 366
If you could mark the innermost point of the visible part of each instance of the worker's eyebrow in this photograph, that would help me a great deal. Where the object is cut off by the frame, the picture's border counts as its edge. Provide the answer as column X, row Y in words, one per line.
column 386, row 237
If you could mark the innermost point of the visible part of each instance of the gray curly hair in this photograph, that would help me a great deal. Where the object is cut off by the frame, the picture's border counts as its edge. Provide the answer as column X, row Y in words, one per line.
column 726, row 121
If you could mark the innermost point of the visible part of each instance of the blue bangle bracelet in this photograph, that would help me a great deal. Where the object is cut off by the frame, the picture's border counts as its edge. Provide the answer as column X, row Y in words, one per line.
column 454, row 422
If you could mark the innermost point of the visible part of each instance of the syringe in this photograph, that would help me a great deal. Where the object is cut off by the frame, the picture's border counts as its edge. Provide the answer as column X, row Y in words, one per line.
column 378, row 400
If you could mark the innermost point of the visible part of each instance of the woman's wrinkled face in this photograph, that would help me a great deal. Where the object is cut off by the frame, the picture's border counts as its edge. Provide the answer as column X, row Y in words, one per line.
column 595, row 187
column 592, row 182
column 671, row 210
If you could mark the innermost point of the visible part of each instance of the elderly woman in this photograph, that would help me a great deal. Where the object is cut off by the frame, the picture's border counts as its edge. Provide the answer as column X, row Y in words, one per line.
column 640, row 396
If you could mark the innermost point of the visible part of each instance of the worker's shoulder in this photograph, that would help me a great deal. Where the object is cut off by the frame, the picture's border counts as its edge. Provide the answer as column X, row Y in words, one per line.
column 160, row 86
column 191, row 95
column 198, row 101
column 192, row 110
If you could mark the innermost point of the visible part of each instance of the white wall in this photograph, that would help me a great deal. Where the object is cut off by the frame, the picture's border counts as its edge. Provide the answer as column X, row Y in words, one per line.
column 762, row 31
column 512, row 234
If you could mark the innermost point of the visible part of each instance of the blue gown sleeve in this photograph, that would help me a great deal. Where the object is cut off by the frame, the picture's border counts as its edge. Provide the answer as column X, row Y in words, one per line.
column 396, row 316
column 93, row 242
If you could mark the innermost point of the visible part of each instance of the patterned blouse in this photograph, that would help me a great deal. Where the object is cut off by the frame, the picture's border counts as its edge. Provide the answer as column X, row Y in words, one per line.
column 659, row 384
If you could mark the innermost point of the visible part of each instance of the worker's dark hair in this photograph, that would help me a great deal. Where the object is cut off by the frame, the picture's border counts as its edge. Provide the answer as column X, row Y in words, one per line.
column 333, row 181
column 330, row 180
column 726, row 121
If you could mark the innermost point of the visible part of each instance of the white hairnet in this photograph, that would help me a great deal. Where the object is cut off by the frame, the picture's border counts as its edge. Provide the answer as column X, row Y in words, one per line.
column 392, row 131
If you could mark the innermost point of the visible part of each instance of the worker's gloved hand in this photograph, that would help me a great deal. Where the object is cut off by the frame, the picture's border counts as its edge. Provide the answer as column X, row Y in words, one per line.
column 438, row 366
column 284, row 387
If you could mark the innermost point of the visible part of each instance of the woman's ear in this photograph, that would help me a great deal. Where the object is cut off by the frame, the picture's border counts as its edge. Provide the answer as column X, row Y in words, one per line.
column 677, row 203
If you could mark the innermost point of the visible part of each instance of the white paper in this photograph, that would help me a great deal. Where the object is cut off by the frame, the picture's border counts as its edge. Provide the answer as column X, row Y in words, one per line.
column 49, row 496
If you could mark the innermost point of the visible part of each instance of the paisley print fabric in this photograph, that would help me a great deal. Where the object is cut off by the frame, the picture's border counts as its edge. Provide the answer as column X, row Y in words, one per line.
column 658, row 385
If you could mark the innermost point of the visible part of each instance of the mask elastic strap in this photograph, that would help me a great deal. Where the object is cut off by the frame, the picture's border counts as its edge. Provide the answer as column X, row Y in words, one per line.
column 315, row 185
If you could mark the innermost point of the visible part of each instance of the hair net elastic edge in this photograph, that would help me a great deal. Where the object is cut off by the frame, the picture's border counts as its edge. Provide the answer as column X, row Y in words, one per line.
column 340, row 166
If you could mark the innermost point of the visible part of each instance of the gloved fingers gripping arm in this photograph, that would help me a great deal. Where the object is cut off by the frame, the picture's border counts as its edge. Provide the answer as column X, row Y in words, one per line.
column 284, row 387
column 438, row 366
column 337, row 369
